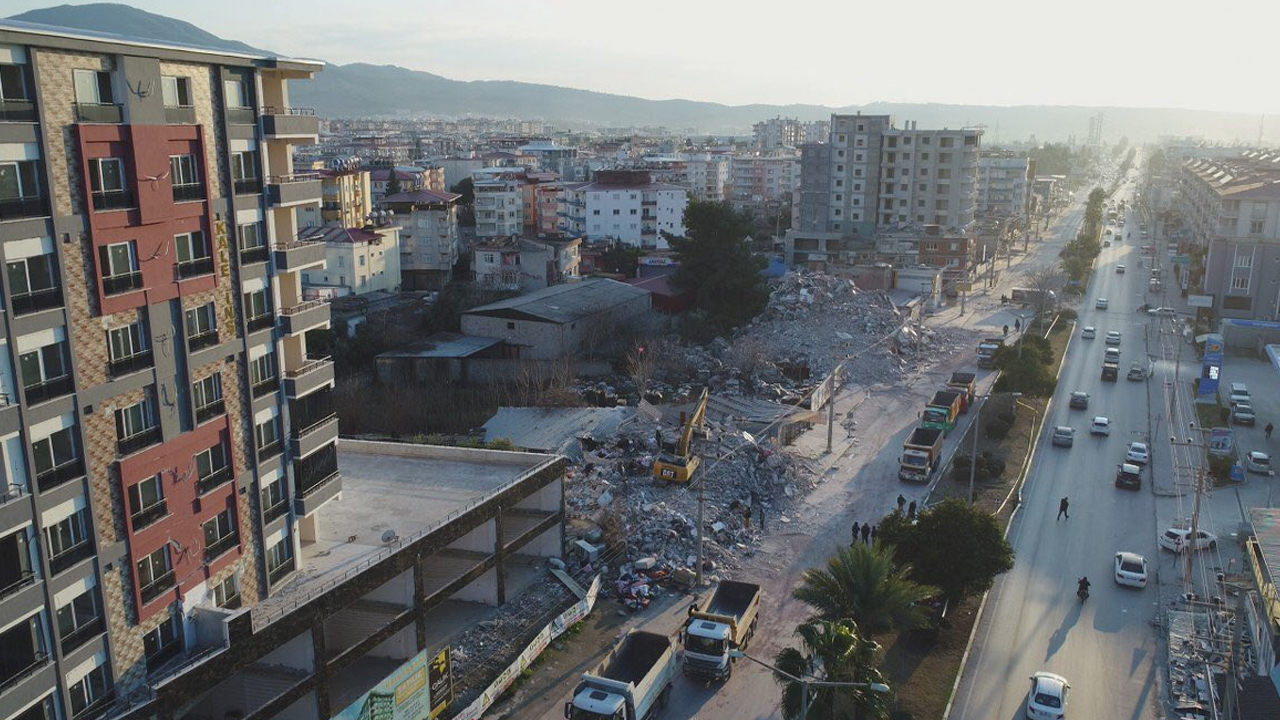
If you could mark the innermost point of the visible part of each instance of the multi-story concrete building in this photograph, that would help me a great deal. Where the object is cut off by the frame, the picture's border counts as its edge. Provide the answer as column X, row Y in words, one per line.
column 428, row 222
column 499, row 207
column 779, row 132
column 1004, row 185
column 763, row 184
column 626, row 206
column 408, row 177
column 167, row 439
column 357, row 261
column 1232, row 211
column 525, row 265
column 707, row 176
column 553, row 158
column 345, row 197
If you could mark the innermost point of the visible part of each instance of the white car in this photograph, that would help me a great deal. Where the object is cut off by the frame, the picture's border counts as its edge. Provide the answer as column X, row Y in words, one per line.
column 1138, row 454
column 1163, row 311
column 1090, row 332
column 1100, row 426
column 1047, row 699
column 1113, row 337
column 1063, row 436
column 1131, row 569
column 1178, row 539
column 1101, row 304
column 1119, row 269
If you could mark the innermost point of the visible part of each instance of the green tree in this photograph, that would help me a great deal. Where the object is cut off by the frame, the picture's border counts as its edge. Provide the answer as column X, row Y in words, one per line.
column 1026, row 369
column 393, row 183
column 717, row 265
column 467, row 189
column 863, row 584
column 832, row 651
column 967, row 563
column 621, row 258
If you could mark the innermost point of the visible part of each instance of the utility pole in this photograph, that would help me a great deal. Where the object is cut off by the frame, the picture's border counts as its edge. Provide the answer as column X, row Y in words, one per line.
column 702, row 501
column 973, row 453
column 831, row 405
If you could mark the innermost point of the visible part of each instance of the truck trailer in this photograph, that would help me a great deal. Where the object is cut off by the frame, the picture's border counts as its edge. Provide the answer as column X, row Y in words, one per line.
column 633, row 683
column 920, row 455
column 727, row 622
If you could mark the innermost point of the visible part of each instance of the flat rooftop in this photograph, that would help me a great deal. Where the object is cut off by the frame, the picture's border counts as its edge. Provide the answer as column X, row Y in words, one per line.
column 406, row 489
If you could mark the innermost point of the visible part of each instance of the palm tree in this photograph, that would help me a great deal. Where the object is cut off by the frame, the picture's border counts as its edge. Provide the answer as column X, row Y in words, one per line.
column 861, row 583
column 831, row 651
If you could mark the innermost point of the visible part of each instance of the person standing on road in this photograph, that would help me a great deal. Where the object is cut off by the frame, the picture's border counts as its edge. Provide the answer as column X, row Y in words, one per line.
column 1268, row 430
column 1017, row 325
column 902, row 502
column 866, row 533
column 873, row 534
column 911, row 510
column 856, row 529
column 1063, row 504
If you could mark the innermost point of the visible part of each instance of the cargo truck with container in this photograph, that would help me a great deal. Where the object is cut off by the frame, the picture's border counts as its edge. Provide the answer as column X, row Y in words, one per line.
column 965, row 383
column 727, row 622
column 987, row 350
column 921, row 455
column 633, row 683
column 942, row 411
column 1110, row 370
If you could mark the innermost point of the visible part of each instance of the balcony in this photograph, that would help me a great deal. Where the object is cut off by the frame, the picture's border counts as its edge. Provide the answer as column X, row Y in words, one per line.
column 37, row 300
column 280, row 123
column 25, row 578
column 106, row 113
column 118, row 284
column 260, row 322
column 202, row 340
column 305, row 316
column 39, row 660
column 313, row 375
column 210, row 411
column 49, row 389
column 104, row 200
column 132, row 364
column 18, row 111
column 17, row 208
column 57, row 475
column 149, row 515
column 188, row 193
column 195, row 267
column 241, row 116
column 156, row 587
column 292, row 190
column 249, row 256
column 304, row 252
column 247, row 186
column 270, row 450
column 180, row 115
column 81, row 635
column 96, row 706
column 265, row 387
column 280, row 572
column 222, row 546
column 70, row 557
column 211, row 482
column 307, row 412
column 138, row 441
column 275, row 511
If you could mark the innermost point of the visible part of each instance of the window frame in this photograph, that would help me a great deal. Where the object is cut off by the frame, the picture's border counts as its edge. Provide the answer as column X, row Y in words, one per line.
column 181, row 86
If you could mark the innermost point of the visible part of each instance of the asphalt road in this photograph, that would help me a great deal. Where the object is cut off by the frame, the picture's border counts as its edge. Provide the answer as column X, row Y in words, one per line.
column 1106, row 648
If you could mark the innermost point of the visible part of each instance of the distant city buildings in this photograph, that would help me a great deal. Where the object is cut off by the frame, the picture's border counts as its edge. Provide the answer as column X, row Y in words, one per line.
column 1004, row 185
column 778, row 132
column 624, row 206
column 429, row 246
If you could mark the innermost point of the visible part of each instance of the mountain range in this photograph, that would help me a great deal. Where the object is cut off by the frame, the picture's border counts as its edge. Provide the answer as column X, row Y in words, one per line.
column 361, row 89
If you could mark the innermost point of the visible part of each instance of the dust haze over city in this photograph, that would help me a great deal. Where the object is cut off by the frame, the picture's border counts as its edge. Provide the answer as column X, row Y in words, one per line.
column 549, row 360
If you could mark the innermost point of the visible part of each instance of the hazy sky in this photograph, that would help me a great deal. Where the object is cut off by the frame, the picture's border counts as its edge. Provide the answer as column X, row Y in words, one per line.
column 1134, row 53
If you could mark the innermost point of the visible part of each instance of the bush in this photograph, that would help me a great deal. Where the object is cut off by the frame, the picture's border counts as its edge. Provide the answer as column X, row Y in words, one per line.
column 1067, row 314
column 996, row 466
column 1008, row 416
column 997, row 429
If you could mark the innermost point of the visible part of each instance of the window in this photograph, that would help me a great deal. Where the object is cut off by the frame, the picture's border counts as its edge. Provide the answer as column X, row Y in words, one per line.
column 185, row 174
column 268, row 436
column 107, row 184
column 130, row 349
column 257, row 310
column 119, row 265
column 93, row 87
column 13, row 83
column 88, row 690
column 237, row 93
column 69, row 533
column 20, row 190
column 219, row 527
column 45, row 365
column 163, row 643
column 155, row 574
column 211, row 466
column 136, row 427
column 146, row 502
column 55, row 451
column 176, row 91
column 251, row 238
column 1240, row 283
column 244, row 172
column 193, row 253
column 206, row 395
column 226, row 594
column 1256, row 226
column 1244, row 260
column 274, row 500
column 201, row 326
column 80, row 614
column 944, row 157
column 280, row 554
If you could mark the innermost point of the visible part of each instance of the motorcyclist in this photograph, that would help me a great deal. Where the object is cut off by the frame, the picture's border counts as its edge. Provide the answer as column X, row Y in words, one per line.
column 1083, row 584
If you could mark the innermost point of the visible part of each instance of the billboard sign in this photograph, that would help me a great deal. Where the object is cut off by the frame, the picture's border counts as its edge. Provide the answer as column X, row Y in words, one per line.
column 1200, row 301
column 1211, row 366
column 407, row 693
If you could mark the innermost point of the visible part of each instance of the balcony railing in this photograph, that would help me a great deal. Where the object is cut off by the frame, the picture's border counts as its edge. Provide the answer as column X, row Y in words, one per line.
column 203, row 340
column 276, row 574
column 23, row 207
column 81, row 635
column 274, row 110
column 276, row 510
column 316, row 469
column 18, row 111
column 159, row 585
column 254, row 255
column 210, row 411
column 146, row 516
column 112, row 200
column 260, row 322
column 311, row 411
column 180, row 115
column 37, row 662
column 49, row 389
column 231, row 603
column 25, row 578
column 55, row 476
column 139, row 440
column 71, row 556
column 221, row 546
column 188, row 193
column 265, row 387
column 241, row 116
column 117, row 284
column 195, row 268
column 95, row 706
column 99, row 113
column 37, row 300
column 247, row 186
column 133, row 363
column 270, row 450
column 216, row 478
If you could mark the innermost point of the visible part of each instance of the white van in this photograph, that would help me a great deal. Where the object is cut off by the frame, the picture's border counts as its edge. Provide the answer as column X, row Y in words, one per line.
column 1239, row 392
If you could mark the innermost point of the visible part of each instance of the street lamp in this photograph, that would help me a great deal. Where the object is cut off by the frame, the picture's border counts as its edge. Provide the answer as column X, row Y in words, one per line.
column 748, row 439
column 805, row 683
column 977, row 422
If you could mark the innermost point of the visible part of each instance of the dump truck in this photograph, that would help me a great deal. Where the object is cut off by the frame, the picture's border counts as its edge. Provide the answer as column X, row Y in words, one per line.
column 986, row 351
column 725, row 623
column 1031, row 296
column 633, row 683
column 1110, row 370
column 965, row 383
column 679, row 466
column 942, row 410
column 920, row 455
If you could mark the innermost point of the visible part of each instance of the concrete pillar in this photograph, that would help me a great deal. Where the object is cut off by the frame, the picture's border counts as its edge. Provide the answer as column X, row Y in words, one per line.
column 419, row 600
column 309, row 528
column 321, row 654
column 500, row 560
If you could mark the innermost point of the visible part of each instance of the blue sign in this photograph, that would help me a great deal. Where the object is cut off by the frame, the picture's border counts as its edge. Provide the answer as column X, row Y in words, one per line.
column 1211, row 367
column 1237, row 472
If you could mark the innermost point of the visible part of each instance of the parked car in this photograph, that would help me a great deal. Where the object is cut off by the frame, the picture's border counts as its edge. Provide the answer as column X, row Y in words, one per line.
column 1131, row 569
column 1162, row 311
column 1047, row 699
column 1079, row 400
column 1119, row 269
column 1101, row 304
column 1242, row 414
column 1089, row 332
column 1138, row 454
column 1258, row 462
column 1178, row 539
column 1064, row 436
column 1100, row 426
column 1113, row 337
column 1129, row 477
column 1137, row 372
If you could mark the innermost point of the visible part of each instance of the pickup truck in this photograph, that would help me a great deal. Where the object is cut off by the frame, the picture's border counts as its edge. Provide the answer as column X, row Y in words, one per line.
column 631, row 684
column 965, row 383
column 920, row 455
column 942, row 410
column 725, row 623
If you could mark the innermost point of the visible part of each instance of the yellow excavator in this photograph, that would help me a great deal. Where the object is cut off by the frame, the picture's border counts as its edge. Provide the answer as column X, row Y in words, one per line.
column 678, row 467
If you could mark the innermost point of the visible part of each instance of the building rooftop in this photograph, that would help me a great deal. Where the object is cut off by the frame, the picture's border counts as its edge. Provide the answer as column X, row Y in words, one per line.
column 444, row 345
column 563, row 303
column 423, row 197
column 556, row 430
column 395, row 490
column 1266, row 531
column 342, row 235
